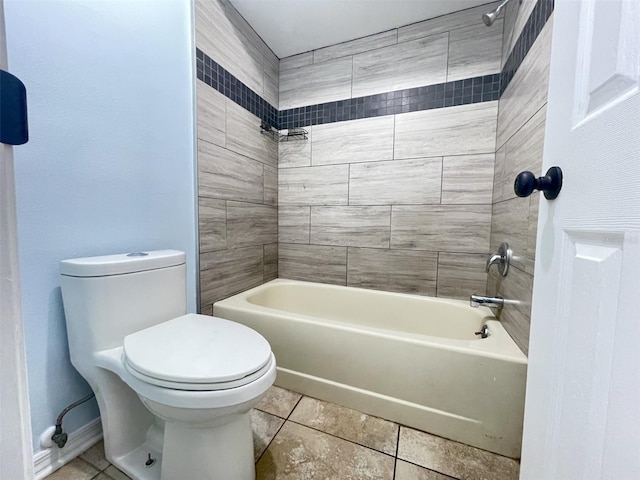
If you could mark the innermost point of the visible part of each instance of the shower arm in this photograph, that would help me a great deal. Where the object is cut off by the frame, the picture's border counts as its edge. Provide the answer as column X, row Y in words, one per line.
column 490, row 17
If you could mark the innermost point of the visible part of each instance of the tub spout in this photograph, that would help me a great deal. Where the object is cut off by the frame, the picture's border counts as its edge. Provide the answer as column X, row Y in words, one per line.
column 480, row 301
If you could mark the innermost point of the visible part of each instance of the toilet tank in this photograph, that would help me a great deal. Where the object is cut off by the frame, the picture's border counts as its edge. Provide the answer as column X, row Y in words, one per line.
column 106, row 298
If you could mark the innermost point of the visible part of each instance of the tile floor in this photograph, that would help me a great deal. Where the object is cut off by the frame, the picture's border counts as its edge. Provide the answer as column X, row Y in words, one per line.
column 299, row 438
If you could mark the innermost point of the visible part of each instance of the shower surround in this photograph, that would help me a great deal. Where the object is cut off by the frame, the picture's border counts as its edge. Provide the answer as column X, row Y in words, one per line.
column 398, row 197
column 398, row 186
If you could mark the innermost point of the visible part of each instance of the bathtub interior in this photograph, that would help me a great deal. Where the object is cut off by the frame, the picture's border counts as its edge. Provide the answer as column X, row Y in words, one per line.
column 382, row 310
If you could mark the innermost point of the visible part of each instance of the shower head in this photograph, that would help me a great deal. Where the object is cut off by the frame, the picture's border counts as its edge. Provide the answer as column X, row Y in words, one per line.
column 490, row 17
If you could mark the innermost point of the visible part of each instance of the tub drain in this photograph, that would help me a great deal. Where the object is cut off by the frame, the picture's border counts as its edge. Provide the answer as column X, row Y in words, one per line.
column 150, row 462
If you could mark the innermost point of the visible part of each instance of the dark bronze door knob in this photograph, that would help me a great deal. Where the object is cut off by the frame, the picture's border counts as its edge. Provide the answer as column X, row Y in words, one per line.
column 550, row 184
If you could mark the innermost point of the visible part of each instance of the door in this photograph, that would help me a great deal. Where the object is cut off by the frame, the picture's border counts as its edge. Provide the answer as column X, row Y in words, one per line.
column 582, row 411
column 16, row 459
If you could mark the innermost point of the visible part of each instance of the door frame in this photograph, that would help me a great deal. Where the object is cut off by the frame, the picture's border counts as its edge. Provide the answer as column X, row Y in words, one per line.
column 16, row 460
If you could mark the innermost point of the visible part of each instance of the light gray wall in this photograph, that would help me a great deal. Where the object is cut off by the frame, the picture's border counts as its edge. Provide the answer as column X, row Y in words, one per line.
column 110, row 164
column 399, row 202
column 237, row 165
column 520, row 141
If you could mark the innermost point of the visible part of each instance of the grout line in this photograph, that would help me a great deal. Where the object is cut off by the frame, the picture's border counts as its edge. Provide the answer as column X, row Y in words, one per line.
column 395, row 463
column 270, row 441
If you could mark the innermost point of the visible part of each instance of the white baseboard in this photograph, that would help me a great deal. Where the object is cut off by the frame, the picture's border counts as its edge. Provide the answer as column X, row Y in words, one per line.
column 51, row 459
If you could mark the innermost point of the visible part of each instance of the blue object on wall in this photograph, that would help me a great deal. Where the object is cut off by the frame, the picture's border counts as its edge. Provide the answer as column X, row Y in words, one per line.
column 13, row 110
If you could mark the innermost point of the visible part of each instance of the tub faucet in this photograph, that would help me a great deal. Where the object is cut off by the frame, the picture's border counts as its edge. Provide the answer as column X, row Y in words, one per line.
column 480, row 301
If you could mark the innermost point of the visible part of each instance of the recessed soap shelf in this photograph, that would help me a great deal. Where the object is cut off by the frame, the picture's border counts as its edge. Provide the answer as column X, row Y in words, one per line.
column 291, row 135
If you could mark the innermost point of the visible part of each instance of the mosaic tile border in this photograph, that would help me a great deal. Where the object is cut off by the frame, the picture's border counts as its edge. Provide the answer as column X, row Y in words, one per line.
column 216, row 76
column 448, row 94
column 441, row 95
column 536, row 22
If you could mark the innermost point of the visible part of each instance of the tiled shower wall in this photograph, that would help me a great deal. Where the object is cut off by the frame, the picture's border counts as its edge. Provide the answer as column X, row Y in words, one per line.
column 520, row 140
column 398, row 202
column 237, row 166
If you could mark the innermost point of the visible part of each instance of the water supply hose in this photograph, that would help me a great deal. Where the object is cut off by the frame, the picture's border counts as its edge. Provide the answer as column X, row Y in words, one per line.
column 59, row 436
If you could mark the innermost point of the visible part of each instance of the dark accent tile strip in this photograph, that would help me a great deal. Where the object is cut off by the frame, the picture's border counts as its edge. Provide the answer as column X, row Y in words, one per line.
column 448, row 94
column 214, row 75
column 461, row 92
column 536, row 22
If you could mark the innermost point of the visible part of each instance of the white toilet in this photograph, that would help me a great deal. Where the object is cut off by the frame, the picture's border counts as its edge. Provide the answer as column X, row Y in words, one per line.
column 174, row 390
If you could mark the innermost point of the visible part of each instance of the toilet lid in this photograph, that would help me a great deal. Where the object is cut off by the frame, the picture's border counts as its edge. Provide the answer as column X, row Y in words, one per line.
column 197, row 349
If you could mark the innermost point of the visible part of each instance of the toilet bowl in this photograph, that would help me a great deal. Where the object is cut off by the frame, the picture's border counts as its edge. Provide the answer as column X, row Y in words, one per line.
column 174, row 389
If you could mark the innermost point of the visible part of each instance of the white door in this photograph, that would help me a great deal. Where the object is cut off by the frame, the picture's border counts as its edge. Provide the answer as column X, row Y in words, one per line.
column 16, row 459
column 582, row 411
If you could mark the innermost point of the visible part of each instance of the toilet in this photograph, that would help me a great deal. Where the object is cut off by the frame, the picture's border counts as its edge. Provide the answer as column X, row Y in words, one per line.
column 174, row 389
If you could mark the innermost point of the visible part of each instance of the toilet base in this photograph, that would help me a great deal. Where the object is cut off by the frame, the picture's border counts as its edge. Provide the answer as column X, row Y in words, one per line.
column 133, row 464
column 224, row 452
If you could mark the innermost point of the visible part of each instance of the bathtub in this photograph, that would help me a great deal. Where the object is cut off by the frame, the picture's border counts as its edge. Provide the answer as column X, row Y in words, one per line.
column 410, row 359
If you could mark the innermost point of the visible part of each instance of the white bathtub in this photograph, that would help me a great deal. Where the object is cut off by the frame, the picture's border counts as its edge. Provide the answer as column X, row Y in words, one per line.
column 410, row 359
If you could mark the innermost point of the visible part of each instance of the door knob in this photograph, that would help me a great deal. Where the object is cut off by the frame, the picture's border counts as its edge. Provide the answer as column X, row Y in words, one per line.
column 550, row 184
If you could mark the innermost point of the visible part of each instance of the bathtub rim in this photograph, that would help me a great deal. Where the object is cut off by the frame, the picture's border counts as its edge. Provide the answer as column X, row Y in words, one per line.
column 239, row 302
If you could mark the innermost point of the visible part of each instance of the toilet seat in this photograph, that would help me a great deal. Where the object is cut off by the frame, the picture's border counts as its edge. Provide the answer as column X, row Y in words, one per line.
column 197, row 352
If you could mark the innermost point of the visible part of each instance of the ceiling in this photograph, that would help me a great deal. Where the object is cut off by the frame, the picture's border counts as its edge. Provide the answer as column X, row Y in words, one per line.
column 296, row 26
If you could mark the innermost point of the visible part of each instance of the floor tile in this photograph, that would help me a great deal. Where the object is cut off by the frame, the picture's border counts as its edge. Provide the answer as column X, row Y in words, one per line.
column 264, row 427
column 95, row 456
column 76, row 469
column 116, row 474
column 349, row 424
column 298, row 452
column 453, row 458
column 278, row 401
column 102, row 476
column 409, row 471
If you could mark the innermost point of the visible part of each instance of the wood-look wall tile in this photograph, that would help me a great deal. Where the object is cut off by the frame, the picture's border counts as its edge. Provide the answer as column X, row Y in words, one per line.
column 270, row 185
column 207, row 310
column 405, row 271
column 510, row 223
column 474, row 51
column 468, row 179
column 244, row 137
column 226, row 272
column 525, row 7
column 251, row 224
column 227, row 175
column 212, row 224
column 366, row 140
column 313, row 84
column 353, row 47
column 293, row 224
column 327, row 185
column 444, row 23
column 500, row 182
column 270, row 91
column 270, row 262
column 442, row 228
column 412, row 64
column 461, row 274
column 461, row 130
column 295, row 153
column 510, row 14
column 312, row 263
column 532, row 233
column 249, row 34
column 517, row 287
column 296, row 61
column 524, row 152
column 351, row 226
column 225, row 42
column 415, row 181
column 527, row 91
column 211, row 112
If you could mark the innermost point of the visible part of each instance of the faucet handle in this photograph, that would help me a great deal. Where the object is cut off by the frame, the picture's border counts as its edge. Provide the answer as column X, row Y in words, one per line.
column 502, row 259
